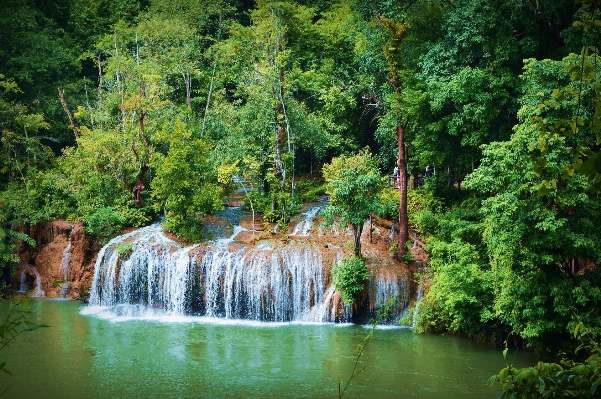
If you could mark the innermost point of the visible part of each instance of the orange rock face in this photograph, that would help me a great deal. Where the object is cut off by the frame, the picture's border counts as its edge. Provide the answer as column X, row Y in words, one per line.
column 40, row 267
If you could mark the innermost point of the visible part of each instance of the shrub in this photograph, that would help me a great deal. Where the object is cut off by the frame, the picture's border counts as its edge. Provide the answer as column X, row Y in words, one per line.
column 417, row 201
column 105, row 222
column 569, row 379
column 349, row 276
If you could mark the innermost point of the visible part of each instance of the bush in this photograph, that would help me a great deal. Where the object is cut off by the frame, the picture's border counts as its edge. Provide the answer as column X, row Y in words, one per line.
column 569, row 379
column 417, row 201
column 311, row 190
column 349, row 276
column 262, row 203
column 104, row 222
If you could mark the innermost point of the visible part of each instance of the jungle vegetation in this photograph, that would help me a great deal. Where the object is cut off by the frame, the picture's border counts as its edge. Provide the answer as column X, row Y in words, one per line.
column 115, row 111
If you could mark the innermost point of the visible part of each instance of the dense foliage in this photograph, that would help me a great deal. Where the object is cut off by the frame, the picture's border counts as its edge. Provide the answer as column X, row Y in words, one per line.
column 353, row 184
column 161, row 103
column 566, row 379
column 349, row 278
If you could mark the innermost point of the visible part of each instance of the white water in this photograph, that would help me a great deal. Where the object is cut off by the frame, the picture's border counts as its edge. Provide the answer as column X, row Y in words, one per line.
column 63, row 270
column 420, row 293
column 23, row 281
column 145, row 274
column 304, row 227
column 38, row 292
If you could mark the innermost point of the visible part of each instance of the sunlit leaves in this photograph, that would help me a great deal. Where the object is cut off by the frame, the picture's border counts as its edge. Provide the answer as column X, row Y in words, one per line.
column 353, row 184
column 184, row 186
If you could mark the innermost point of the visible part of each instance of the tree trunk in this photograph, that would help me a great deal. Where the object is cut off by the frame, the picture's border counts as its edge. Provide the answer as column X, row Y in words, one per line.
column 403, row 220
column 99, row 83
column 204, row 119
column 62, row 97
column 282, row 132
column 188, row 88
column 139, row 187
column 357, row 230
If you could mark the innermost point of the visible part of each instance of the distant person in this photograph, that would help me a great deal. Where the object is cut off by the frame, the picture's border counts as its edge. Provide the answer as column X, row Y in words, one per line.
column 429, row 171
column 395, row 176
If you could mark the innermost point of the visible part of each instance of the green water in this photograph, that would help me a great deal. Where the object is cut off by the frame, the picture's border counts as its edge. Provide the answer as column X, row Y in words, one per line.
column 82, row 356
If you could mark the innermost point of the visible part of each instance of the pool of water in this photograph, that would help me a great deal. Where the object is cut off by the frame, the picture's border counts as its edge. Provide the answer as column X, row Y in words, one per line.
column 87, row 354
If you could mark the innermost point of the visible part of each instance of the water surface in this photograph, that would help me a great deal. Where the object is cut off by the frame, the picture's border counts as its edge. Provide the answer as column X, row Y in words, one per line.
column 82, row 355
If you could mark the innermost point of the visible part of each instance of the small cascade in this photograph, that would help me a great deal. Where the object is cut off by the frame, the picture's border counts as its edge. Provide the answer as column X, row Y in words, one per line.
column 23, row 280
column 391, row 232
column 63, row 270
column 420, row 293
column 388, row 287
column 280, row 284
column 303, row 228
column 37, row 292
column 131, row 268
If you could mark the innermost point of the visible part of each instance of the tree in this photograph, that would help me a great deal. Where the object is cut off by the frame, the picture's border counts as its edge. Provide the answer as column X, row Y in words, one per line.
column 392, row 53
column 184, row 186
column 353, row 184
column 22, row 156
column 572, row 112
column 349, row 278
column 285, row 95
column 542, row 248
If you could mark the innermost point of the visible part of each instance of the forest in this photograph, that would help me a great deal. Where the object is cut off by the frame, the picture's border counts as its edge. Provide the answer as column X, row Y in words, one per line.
column 117, row 112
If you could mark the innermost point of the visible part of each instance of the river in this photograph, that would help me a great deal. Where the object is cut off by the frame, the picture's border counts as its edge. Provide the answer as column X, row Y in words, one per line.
column 86, row 353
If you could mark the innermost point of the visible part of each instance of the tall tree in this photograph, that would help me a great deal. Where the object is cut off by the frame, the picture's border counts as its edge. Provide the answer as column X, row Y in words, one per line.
column 393, row 53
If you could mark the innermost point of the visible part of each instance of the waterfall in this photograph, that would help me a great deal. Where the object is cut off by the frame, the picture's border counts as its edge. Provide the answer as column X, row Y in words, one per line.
column 23, row 280
column 273, row 281
column 388, row 286
column 63, row 271
column 38, row 292
column 420, row 293
column 303, row 228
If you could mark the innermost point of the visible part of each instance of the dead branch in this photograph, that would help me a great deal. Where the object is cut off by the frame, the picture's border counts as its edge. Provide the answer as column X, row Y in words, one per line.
column 62, row 97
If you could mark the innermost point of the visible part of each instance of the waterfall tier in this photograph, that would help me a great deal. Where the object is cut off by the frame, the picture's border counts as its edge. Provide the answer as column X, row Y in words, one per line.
column 272, row 281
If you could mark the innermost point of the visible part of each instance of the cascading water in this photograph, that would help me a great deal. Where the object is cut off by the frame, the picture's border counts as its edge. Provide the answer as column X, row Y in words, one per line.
column 272, row 281
column 420, row 293
column 23, row 281
column 38, row 292
column 63, row 271
column 303, row 228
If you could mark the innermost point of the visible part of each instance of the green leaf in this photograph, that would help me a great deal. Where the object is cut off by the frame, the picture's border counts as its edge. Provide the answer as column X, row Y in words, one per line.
column 598, row 164
column 588, row 167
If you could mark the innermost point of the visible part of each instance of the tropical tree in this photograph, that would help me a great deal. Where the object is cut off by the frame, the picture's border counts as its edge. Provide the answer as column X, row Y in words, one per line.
column 184, row 186
column 541, row 246
column 353, row 184
column 393, row 53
